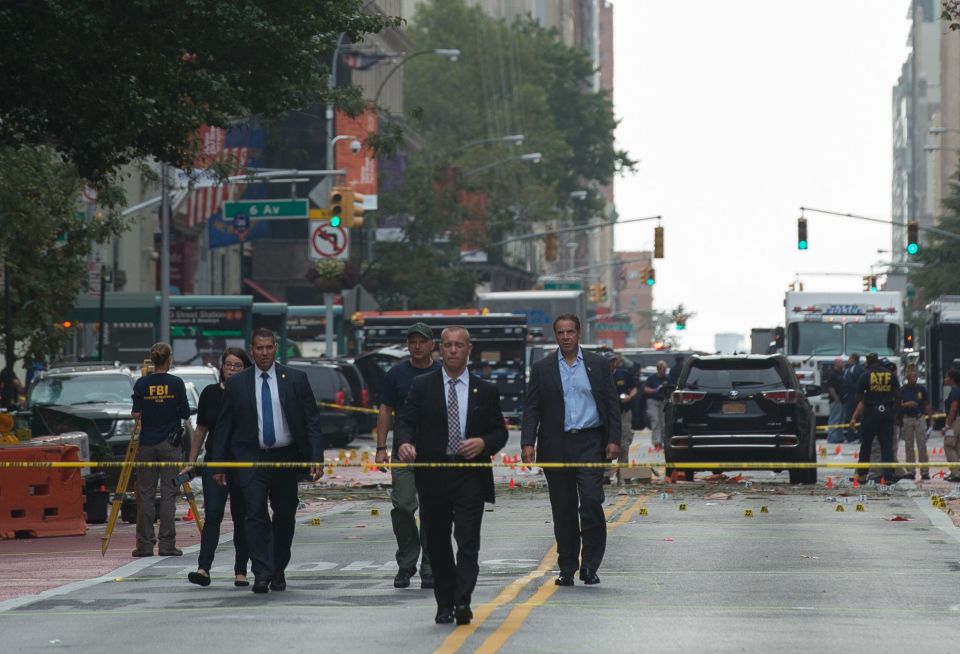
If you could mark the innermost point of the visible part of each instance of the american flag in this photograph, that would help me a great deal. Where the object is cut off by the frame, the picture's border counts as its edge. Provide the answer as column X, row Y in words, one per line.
column 209, row 194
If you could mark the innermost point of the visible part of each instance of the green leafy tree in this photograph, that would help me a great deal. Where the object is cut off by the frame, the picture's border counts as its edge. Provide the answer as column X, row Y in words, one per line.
column 109, row 83
column 939, row 272
column 44, row 244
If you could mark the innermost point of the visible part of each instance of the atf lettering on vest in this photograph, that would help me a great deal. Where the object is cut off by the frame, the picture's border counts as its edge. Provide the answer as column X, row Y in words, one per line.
column 880, row 382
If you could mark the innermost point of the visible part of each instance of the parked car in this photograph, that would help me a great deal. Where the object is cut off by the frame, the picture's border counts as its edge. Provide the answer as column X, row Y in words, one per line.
column 747, row 408
column 330, row 387
column 199, row 376
column 366, row 422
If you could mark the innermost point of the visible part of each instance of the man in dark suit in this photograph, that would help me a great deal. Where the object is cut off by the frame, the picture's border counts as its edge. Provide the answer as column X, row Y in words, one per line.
column 572, row 415
column 451, row 416
column 269, row 414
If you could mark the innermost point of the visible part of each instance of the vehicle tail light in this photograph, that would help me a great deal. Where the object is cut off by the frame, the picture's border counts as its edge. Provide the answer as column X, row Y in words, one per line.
column 365, row 397
column 687, row 397
column 785, row 396
column 340, row 398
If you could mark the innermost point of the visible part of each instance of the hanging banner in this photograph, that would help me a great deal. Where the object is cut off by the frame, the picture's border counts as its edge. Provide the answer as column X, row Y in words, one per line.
column 361, row 167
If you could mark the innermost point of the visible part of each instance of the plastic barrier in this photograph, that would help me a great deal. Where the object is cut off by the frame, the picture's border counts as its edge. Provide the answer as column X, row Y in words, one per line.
column 41, row 501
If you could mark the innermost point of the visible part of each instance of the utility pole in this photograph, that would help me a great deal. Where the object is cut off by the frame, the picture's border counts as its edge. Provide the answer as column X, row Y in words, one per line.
column 164, row 257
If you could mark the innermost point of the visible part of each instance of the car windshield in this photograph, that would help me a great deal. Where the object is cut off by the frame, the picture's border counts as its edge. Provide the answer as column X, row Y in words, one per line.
column 81, row 389
column 815, row 338
column 878, row 337
column 728, row 375
column 199, row 381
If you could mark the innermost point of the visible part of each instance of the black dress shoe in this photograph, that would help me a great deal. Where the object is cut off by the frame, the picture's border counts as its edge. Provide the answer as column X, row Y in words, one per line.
column 426, row 580
column 589, row 577
column 199, row 579
column 261, row 586
column 279, row 582
column 444, row 615
column 402, row 580
column 565, row 579
column 463, row 614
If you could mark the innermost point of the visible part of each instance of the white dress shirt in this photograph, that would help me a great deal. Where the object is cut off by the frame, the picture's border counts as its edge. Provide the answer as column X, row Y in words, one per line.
column 280, row 427
column 463, row 392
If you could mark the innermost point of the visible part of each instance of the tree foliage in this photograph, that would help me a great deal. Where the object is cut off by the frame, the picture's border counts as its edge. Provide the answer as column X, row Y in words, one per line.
column 509, row 79
column 105, row 83
column 44, row 244
column 939, row 270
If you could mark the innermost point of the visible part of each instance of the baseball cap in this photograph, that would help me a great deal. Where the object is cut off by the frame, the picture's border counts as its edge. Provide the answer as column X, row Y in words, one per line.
column 421, row 329
column 873, row 357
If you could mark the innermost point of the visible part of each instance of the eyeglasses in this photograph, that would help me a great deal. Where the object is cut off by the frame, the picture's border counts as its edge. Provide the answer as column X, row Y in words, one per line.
column 233, row 366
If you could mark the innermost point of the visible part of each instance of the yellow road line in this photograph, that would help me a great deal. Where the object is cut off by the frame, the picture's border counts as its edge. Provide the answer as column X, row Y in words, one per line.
column 519, row 613
column 460, row 635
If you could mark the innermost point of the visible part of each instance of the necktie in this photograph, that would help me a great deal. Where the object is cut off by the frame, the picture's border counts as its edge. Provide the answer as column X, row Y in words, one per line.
column 453, row 419
column 266, row 412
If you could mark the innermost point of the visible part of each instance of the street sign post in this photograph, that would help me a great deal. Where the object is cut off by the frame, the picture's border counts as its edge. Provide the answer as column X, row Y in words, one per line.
column 328, row 242
column 266, row 209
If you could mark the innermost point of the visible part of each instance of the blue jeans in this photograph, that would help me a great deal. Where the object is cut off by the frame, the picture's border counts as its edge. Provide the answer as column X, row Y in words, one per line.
column 835, row 435
column 214, row 504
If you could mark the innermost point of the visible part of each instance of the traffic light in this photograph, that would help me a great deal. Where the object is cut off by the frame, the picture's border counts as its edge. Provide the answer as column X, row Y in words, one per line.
column 336, row 204
column 354, row 209
column 681, row 323
column 658, row 242
column 870, row 283
column 603, row 292
column 552, row 244
column 595, row 293
column 913, row 237
column 649, row 276
column 802, row 234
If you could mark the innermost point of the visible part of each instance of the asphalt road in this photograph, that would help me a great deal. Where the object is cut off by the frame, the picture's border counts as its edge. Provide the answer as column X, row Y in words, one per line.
column 797, row 576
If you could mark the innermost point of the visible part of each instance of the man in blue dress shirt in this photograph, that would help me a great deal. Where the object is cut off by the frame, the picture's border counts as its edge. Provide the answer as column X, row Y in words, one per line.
column 572, row 415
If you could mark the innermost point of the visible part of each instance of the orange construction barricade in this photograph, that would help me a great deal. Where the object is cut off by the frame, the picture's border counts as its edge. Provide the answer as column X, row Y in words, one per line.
column 37, row 502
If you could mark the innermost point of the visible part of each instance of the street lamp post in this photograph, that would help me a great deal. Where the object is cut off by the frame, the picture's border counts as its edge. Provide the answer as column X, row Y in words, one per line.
column 532, row 157
column 452, row 54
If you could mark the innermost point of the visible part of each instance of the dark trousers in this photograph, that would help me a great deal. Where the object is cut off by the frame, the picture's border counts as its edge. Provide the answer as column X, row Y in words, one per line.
column 214, row 504
column 576, row 498
column 269, row 541
column 880, row 426
column 452, row 498
column 410, row 538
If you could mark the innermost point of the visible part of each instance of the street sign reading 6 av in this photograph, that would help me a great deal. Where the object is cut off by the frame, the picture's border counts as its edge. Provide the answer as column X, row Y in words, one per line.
column 328, row 242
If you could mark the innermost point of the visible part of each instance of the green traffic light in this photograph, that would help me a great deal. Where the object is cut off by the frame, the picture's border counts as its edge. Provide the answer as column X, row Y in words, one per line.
column 801, row 245
column 334, row 221
column 681, row 326
column 651, row 282
column 913, row 248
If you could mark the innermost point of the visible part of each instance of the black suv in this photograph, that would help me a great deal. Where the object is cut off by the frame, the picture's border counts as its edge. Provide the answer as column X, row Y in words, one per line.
column 732, row 409
column 330, row 386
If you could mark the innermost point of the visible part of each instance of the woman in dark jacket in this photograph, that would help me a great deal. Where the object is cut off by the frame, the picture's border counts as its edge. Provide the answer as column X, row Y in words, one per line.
column 233, row 360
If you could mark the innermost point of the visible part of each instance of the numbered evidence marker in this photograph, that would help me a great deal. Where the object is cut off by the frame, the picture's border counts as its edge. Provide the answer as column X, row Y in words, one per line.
column 860, row 508
column 683, row 507
column 748, row 513
column 643, row 511
column 839, row 508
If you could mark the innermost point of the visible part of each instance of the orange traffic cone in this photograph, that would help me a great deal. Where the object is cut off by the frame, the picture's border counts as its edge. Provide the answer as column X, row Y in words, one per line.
column 829, row 482
column 189, row 517
column 839, row 450
column 513, row 483
column 883, row 480
column 856, row 456
column 856, row 482
column 650, row 450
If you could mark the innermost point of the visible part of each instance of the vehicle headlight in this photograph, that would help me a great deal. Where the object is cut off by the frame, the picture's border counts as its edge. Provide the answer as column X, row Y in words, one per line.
column 124, row 428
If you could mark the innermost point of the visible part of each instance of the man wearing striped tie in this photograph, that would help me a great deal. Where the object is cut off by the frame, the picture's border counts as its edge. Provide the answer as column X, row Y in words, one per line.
column 452, row 418
column 269, row 415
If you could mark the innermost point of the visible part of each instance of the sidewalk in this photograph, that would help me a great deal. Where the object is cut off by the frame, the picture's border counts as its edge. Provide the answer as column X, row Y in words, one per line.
column 30, row 566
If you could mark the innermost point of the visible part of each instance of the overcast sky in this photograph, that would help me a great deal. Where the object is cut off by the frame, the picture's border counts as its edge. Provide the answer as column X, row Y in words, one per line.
column 741, row 112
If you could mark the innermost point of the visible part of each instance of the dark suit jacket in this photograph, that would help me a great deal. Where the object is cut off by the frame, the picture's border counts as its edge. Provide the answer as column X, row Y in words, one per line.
column 237, row 437
column 543, row 410
column 423, row 423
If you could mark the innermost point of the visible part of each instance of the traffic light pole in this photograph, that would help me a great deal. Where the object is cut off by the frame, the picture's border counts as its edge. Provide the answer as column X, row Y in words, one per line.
column 889, row 223
column 562, row 230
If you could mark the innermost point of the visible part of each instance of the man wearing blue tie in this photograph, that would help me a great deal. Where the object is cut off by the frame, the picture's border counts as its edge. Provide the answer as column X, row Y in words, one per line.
column 269, row 415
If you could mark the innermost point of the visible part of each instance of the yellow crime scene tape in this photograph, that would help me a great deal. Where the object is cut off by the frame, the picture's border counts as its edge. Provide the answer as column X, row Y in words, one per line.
column 847, row 424
column 369, row 465
column 344, row 407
